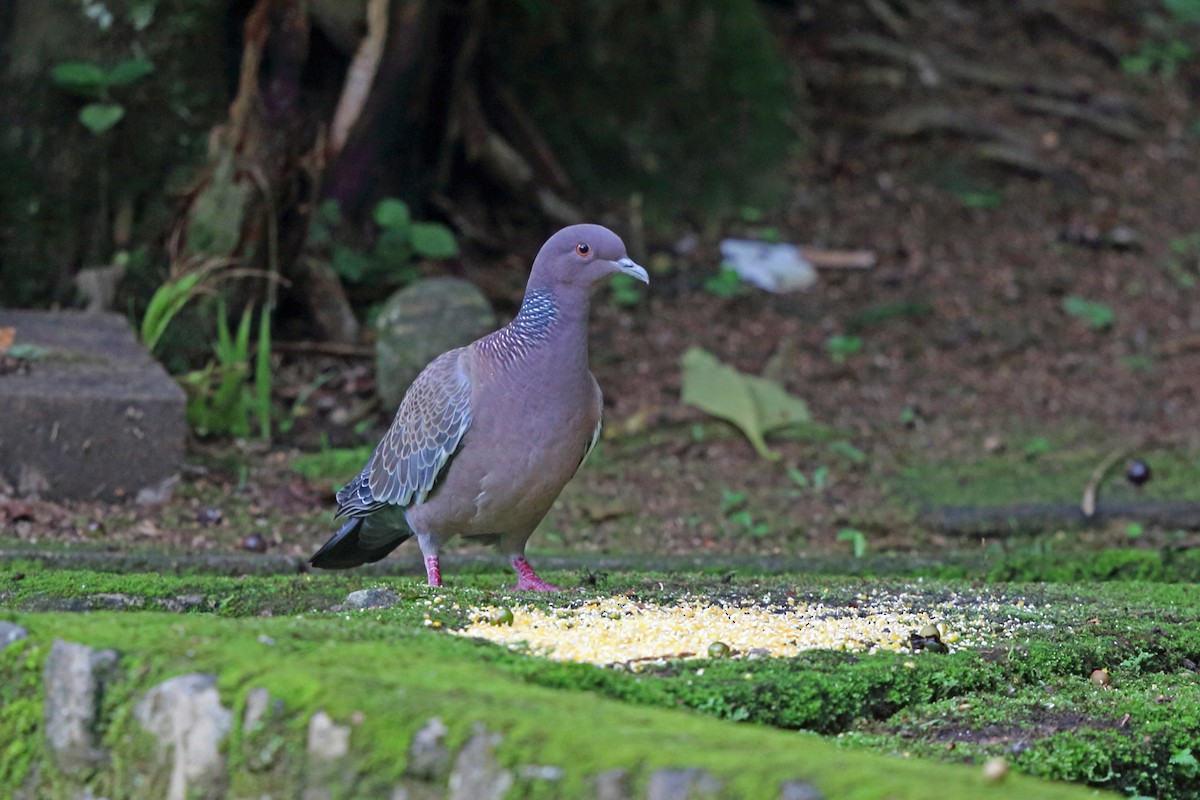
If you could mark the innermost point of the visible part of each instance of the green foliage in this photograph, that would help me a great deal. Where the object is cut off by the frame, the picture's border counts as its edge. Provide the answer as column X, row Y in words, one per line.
column 336, row 464
column 627, row 291
column 878, row 315
column 755, row 405
column 1098, row 316
column 980, row 198
column 23, row 351
column 733, row 508
column 848, row 451
column 1037, row 446
column 843, row 347
column 726, row 283
column 1163, row 58
column 90, row 80
column 1183, row 261
column 168, row 300
column 400, row 242
column 857, row 539
column 1184, row 11
column 223, row 399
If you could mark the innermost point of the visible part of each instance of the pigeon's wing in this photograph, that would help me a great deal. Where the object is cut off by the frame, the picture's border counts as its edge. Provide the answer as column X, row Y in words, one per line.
column 427, row 430
column 591, row 444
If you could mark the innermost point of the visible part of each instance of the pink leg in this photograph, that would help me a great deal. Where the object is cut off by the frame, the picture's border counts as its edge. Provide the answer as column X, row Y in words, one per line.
column 433, row 570
column 528, row 580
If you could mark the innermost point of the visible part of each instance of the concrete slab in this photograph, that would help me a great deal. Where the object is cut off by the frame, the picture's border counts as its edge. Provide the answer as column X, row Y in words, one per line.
column 95, row 418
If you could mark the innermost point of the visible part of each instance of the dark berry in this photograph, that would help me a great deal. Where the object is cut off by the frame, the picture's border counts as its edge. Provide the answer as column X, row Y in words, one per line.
column 1138, row 473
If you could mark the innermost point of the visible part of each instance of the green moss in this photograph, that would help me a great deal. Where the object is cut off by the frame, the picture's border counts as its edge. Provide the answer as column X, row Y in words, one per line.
column 1036, row 469
column 398, row 678
column 20, row 714
column 399, row 672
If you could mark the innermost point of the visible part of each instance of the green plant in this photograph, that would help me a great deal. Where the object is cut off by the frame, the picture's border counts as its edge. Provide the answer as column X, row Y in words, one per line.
column 1038, row 446
column 857, row 539
column 1183, row 263
column 985, row 199
column 878, row 315
column 1185, row 12
column 626, row 290
column 93, row 82
column 733, row 508
column 401, row 241
column 842, row 347
column 726, row 283
column 288, row 420
column 221, row 400
column 757, row 406
column 167, row 301
column 23, row 351
column 1163, row 58
column 848, row 450
column 1098, row 316
column 820, row 479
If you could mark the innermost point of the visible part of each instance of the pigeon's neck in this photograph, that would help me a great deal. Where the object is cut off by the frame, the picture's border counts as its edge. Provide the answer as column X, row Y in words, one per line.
column 544, row 322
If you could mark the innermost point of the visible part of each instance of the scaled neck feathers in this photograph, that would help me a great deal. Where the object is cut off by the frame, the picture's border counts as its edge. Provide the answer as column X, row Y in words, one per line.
column 533, row 326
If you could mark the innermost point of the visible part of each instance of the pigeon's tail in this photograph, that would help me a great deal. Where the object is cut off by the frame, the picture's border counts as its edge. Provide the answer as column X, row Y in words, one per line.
column 362, row 540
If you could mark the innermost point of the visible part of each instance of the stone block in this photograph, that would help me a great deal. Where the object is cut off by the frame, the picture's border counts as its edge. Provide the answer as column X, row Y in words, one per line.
column 94, row 418
column 419, row 323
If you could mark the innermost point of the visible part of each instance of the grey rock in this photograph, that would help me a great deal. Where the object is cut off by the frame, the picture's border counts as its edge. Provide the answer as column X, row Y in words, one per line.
column 10, row 632
column 682, row 784
column 799, row 790
column 419, row 323
column 613, row 784
column 75, row 676
column 257, row 700
column 542, row 772
column 371, row 598
column 411, row 789
column 97, row 399
column 186, row 715
column 327, row 741
column 476, row 775
column 99, row 286
column 186, row 602
column 428, row 756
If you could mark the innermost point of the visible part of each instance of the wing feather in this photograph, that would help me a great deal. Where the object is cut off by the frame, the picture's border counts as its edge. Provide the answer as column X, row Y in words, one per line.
column 427, row 431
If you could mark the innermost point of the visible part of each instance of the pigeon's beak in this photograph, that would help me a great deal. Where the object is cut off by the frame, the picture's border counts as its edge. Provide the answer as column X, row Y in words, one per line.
column 626, row 266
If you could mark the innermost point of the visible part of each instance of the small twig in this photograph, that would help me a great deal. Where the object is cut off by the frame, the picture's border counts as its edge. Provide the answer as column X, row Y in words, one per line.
column 1088, row 504
column 1117, row 128
column 341, row 349
column 1023, row 159
column 822, row 258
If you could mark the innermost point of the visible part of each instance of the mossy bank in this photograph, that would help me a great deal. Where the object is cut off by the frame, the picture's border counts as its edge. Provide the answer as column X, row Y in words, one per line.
column 377, row 677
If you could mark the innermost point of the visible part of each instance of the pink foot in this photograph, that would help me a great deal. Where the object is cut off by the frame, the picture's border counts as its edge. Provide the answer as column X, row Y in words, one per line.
column 528, row 580
column 434, row 571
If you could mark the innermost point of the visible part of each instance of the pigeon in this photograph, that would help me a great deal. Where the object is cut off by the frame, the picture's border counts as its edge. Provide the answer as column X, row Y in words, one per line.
column 489, row 434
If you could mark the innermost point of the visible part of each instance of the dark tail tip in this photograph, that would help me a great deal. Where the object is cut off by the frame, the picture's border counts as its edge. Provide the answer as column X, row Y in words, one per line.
column 344, row 550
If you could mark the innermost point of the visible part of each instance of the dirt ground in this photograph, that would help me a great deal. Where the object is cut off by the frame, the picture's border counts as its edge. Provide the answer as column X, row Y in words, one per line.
column 998, row 160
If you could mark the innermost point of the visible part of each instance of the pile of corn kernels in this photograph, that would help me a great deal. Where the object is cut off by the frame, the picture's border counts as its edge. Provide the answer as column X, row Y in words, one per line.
column 623, row 631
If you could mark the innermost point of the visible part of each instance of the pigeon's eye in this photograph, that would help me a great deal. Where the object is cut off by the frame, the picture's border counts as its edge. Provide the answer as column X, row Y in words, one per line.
column 582, row 249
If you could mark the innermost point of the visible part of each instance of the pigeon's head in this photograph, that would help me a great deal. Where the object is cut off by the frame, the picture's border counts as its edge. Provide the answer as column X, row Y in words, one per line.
column 581, row 255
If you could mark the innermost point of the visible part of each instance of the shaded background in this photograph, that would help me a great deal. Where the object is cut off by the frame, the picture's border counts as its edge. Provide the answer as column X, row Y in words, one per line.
column 1023, row 174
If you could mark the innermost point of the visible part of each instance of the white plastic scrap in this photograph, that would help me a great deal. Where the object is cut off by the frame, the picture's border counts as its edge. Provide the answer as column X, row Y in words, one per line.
column 776, row 268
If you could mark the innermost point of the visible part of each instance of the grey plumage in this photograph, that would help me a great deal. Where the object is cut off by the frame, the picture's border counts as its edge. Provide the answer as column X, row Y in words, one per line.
column 488, row 434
